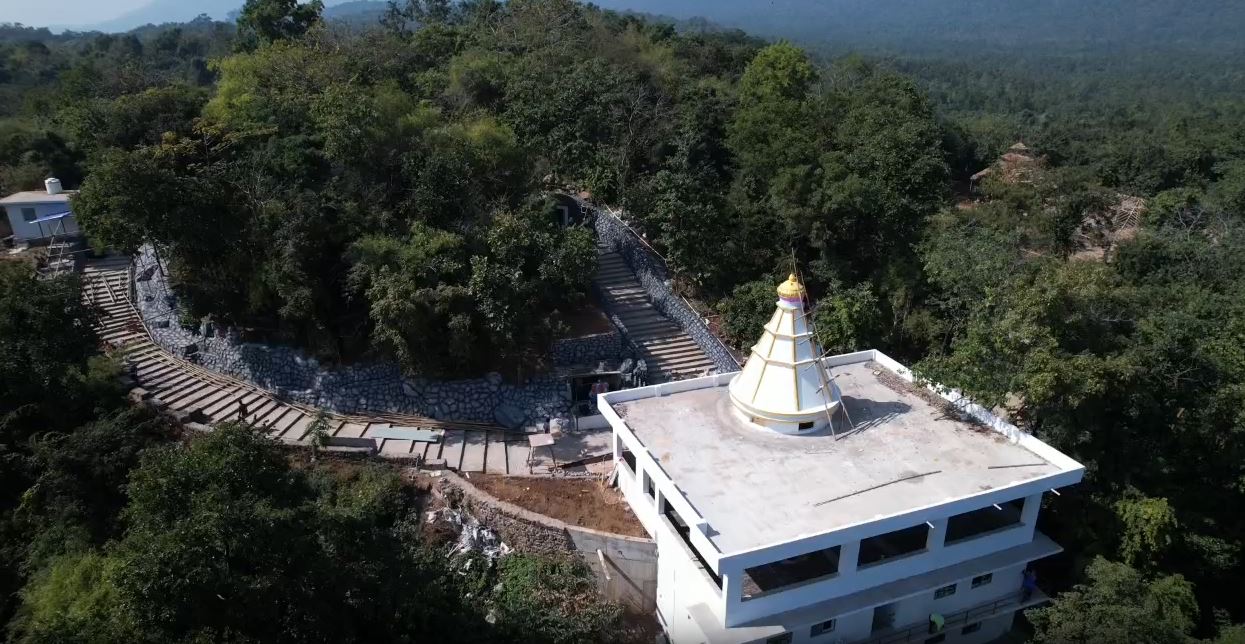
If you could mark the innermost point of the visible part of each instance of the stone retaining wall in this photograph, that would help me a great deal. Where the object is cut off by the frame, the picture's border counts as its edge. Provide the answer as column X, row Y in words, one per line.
column 632, row 561
column 654, row 277
column 358, row 389
column 588, row 349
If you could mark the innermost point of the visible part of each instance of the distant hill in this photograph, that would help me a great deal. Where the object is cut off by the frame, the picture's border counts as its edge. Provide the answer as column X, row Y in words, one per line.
column 357, row 11
column 910, row 24
column 166, row 11
column 158, row 12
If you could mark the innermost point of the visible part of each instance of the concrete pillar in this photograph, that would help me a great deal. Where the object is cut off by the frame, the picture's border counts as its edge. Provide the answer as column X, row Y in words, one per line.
column 937, row 535
column 849, row 556
column 1033, row 505
column 732, row 591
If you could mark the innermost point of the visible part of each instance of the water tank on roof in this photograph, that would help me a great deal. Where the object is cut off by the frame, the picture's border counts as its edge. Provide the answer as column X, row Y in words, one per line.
column 53, row 185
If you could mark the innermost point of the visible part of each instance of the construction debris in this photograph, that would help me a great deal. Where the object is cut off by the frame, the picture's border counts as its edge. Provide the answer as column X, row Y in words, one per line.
column 472, row 536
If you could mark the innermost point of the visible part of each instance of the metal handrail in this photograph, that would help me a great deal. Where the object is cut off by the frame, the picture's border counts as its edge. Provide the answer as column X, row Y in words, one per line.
column 666, row 263
column 967, row 616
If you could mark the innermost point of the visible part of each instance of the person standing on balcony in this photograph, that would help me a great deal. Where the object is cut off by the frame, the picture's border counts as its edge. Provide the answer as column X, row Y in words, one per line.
column 1028, row 585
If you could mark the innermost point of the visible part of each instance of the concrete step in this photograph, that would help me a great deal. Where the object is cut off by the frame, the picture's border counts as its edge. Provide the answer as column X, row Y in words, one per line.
column 641, row 338
column 690, row 363
column 629, row 299
column 676, row 352
column 644, row 317
column 652, row 330
column 652, row 342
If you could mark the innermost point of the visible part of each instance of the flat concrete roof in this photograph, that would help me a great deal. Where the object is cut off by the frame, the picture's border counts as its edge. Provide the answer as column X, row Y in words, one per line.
column 36, row 196
column 758, row 488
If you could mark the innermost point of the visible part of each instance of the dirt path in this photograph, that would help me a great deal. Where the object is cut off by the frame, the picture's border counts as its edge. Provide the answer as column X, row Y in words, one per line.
column 586, row 503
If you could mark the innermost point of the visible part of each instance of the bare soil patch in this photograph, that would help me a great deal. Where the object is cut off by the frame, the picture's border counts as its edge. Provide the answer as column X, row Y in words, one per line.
column 587, row 503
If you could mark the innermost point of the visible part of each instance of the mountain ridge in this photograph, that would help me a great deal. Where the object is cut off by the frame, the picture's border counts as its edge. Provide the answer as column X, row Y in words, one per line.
column 1206, row 24
column 159, row 12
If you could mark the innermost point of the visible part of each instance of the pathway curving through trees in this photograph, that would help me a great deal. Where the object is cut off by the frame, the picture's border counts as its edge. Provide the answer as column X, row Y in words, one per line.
column 194, row 394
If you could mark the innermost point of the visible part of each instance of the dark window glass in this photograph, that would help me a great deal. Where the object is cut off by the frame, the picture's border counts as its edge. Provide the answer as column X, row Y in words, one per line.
column 822, row 628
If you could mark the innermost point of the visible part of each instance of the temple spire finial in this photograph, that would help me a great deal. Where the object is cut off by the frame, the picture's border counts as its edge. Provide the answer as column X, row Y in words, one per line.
column 783, row 386
column 791, row 290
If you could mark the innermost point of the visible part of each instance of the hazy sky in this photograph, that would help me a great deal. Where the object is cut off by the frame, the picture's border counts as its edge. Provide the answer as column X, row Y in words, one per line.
column 65, row 12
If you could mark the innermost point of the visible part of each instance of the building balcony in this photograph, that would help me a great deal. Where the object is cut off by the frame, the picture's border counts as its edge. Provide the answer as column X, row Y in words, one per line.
column 920, row 632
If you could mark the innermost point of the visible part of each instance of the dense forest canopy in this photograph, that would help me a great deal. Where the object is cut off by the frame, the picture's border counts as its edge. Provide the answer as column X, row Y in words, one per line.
column 915, row 25
column 381, row 192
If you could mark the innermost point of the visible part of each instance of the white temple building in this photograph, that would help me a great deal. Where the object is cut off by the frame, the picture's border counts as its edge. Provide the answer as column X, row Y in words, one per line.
column 831, row 499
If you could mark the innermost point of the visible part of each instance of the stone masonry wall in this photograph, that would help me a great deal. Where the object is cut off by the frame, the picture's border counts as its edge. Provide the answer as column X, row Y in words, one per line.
column 588, row 349
column 651, row 271
column 359, row 389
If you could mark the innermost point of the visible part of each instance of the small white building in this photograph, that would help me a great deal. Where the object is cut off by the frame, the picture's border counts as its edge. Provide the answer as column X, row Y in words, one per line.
column 826, row 500
column 40, row 215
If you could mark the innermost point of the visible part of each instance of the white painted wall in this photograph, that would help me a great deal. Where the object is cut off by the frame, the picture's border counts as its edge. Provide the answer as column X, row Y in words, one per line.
column 915, row 610
column 23, row 229
column 682, row 584
column 851, row 580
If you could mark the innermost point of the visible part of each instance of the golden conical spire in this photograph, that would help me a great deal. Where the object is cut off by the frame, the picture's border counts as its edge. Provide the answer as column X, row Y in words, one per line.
column 791, row 289
column 782, row 386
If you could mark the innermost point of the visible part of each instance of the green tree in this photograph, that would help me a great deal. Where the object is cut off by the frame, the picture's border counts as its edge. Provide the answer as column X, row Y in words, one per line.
column 420, row 308
column 1118, row 605
column 46, row 342
column 74, row 598
column 748, row 307
column 847, row 320
column 775, row 126
column 552, row 600
column 1149, row 528
column 265, row 21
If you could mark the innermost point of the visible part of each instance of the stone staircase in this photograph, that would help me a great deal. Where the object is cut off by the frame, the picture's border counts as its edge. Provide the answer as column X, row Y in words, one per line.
column 669, row 352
